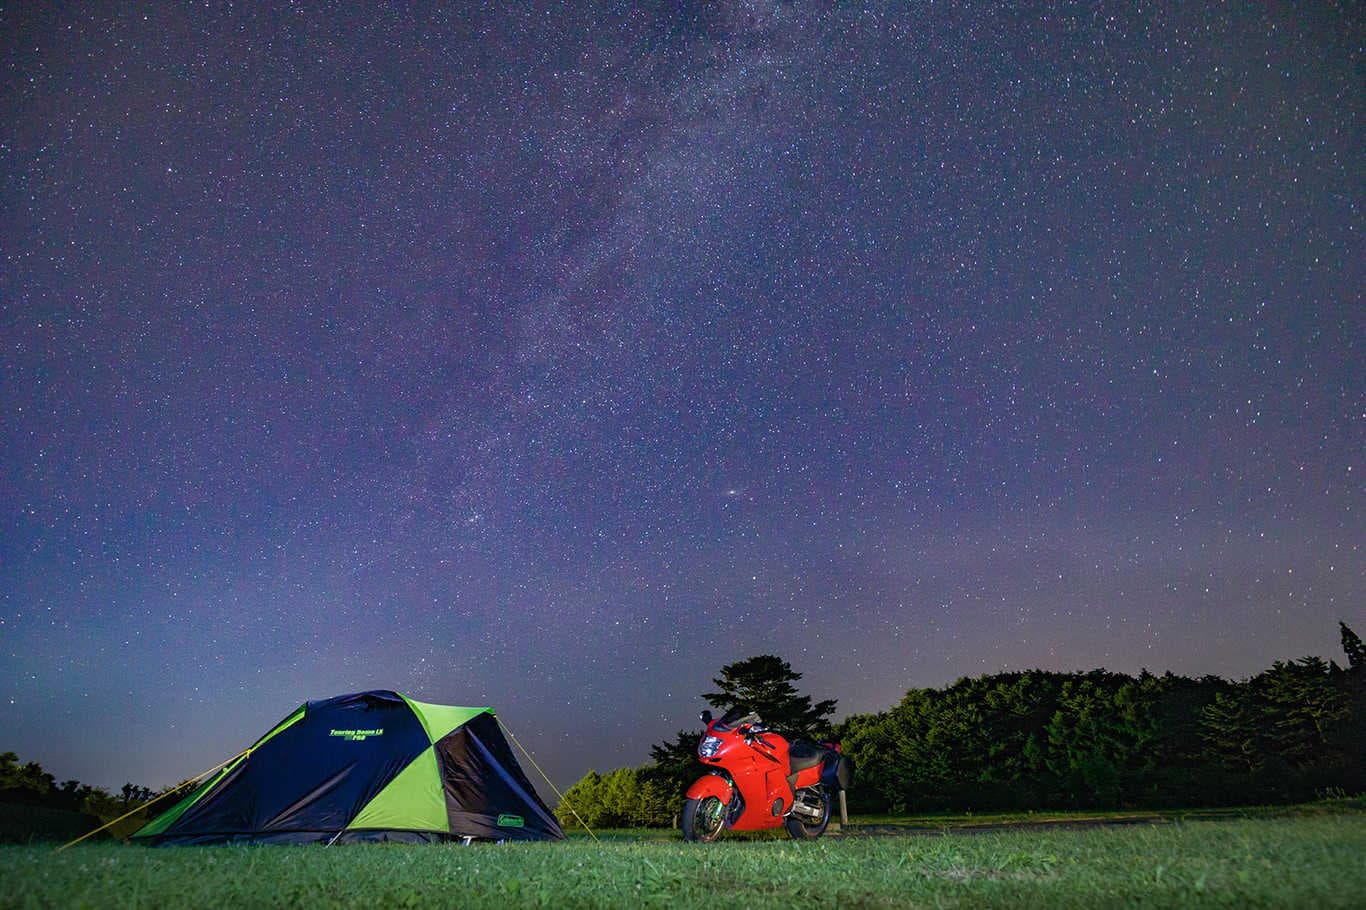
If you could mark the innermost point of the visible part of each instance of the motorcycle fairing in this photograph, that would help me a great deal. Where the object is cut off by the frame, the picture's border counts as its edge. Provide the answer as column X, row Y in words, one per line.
column 712, row 785
column 759, row 790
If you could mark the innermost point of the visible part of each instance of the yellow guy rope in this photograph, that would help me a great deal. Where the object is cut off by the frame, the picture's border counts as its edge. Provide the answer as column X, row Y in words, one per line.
column 547, row 779
column 173, row 790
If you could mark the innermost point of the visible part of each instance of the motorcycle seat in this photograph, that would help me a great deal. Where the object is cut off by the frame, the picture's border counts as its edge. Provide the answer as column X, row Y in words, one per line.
column 803, row 754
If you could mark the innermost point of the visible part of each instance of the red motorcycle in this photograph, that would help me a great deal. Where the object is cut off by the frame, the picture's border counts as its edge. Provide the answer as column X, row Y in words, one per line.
column 760, row 780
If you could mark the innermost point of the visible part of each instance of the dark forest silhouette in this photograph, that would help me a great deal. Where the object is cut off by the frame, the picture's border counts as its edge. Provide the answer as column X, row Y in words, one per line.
column 1047, row 740
column 34, row 806
column 1102, row 740
column 1041, row 740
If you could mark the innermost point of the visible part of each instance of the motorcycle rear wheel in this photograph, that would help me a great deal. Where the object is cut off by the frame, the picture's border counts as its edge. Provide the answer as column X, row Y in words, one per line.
column 799, row 827
column 703, row 819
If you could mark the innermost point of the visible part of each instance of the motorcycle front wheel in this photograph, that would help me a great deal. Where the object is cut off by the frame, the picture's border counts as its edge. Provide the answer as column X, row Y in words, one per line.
column 803, row 828
column 703, row 819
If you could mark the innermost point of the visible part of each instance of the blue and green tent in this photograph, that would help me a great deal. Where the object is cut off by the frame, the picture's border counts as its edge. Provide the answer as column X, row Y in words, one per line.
column 373, row 766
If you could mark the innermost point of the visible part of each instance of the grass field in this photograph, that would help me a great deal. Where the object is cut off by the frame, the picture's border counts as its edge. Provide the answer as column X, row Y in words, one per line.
column 1316, row 861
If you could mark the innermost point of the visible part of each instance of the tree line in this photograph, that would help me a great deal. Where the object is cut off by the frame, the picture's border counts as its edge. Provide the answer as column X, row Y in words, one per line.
column 1107, row 740
column 1045, row 740
column 30, row 784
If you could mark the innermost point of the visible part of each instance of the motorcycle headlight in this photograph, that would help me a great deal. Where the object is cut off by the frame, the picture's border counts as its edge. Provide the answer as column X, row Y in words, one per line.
column 707, row 748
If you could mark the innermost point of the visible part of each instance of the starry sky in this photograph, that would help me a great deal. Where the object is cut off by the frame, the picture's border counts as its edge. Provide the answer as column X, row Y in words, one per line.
column 550, row 356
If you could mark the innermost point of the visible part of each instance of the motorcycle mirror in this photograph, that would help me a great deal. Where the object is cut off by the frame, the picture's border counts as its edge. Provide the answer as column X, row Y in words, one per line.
column 706, row 717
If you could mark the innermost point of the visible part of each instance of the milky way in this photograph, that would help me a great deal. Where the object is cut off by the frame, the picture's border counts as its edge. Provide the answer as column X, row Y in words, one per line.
column 551, row 358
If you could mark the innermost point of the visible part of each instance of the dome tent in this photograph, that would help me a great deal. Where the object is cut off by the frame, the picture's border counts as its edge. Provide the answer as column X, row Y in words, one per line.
column 373, row 766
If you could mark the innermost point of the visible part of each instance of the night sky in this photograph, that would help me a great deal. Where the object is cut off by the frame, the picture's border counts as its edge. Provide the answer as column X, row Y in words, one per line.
column 552, row 356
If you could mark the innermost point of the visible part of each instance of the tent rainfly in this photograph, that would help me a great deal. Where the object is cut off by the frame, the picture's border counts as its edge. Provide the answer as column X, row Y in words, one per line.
column 374, row 766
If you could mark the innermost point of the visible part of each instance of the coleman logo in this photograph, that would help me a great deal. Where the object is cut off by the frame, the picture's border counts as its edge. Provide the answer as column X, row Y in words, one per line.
column 355, row 736
column 511, row 821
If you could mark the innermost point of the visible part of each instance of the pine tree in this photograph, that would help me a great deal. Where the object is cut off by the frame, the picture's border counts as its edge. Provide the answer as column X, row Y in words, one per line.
column 763, row 684
column 1304, row 711
column 1351, row 644
column 1229, row 727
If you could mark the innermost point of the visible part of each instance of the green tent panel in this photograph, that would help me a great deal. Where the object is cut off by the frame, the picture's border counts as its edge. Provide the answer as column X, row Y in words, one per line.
column 373, row 766
column 412, row 801
column 440, row 720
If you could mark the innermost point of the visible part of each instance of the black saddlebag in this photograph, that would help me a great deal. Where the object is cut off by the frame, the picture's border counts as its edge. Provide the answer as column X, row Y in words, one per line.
column 838, row 772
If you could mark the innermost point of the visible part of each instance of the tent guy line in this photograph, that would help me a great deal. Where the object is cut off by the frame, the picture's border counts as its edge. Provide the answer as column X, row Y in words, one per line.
column 156, row 799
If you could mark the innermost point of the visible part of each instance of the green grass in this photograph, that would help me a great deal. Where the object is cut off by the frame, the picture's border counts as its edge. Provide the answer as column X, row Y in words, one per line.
column 963, row 820
column 1316, row 861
